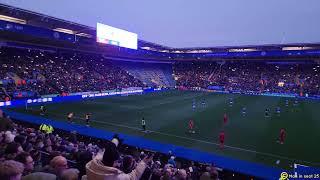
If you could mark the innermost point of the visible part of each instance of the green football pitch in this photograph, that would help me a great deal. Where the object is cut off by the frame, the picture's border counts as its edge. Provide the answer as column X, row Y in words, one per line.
column 251, row 137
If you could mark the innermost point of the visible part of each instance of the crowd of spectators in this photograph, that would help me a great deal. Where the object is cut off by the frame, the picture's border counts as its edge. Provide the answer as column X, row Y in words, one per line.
column 45, row 72
column 260, row 76
column 37, row 72
column 28, row 153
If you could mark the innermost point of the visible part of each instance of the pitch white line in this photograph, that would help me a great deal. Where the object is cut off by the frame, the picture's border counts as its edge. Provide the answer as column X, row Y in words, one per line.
column 207, row 142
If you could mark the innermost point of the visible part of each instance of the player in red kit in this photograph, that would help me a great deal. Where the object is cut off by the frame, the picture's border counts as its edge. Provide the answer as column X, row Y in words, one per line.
column 191, row 126
column 225, row 118
column 282, row 135
column 221, row 138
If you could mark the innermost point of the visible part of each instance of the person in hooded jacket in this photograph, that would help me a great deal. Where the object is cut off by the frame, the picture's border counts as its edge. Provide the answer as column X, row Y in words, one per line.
column 105, row 168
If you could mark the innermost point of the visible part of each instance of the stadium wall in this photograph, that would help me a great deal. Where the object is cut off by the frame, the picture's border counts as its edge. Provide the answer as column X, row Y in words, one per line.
column 55, row 98
column 77, row 96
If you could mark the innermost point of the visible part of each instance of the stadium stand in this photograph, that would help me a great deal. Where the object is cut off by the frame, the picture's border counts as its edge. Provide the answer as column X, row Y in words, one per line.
column 299, row 77
column 151, row 74
column 30, row 73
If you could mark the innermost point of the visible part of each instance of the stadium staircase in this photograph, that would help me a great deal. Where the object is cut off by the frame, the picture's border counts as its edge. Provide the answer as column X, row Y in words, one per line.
column 215, row 73
column 13, row 76
column 212, row 74
column 4, row 92
column 151, row 74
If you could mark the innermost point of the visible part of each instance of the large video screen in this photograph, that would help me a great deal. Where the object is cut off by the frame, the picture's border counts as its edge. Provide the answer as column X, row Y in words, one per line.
column 114, row 36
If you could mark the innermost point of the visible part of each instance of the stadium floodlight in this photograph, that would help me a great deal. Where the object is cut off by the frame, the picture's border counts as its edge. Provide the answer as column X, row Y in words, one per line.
column 84, row 35
column 243, row 50
column 165, row 51
column 12, row 19
column 199, row 51
column 296, row 48
column 63, row 30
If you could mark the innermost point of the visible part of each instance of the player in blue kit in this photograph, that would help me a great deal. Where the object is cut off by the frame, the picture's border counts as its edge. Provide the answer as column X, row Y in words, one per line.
column 203, row 103
column 231, row 102
column 267, row 112
column 278, row 111
column 244, row 111
column 193, row 105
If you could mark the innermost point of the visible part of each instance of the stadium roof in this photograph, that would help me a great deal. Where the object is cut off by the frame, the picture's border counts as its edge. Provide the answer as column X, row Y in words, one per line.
column 23, row 16
column 44, row 21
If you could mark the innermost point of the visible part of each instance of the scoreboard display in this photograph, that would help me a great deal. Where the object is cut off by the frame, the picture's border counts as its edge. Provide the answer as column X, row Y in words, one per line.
column 118, row 37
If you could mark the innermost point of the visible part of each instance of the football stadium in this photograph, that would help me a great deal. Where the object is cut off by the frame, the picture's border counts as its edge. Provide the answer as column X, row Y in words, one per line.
column 83, row 102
